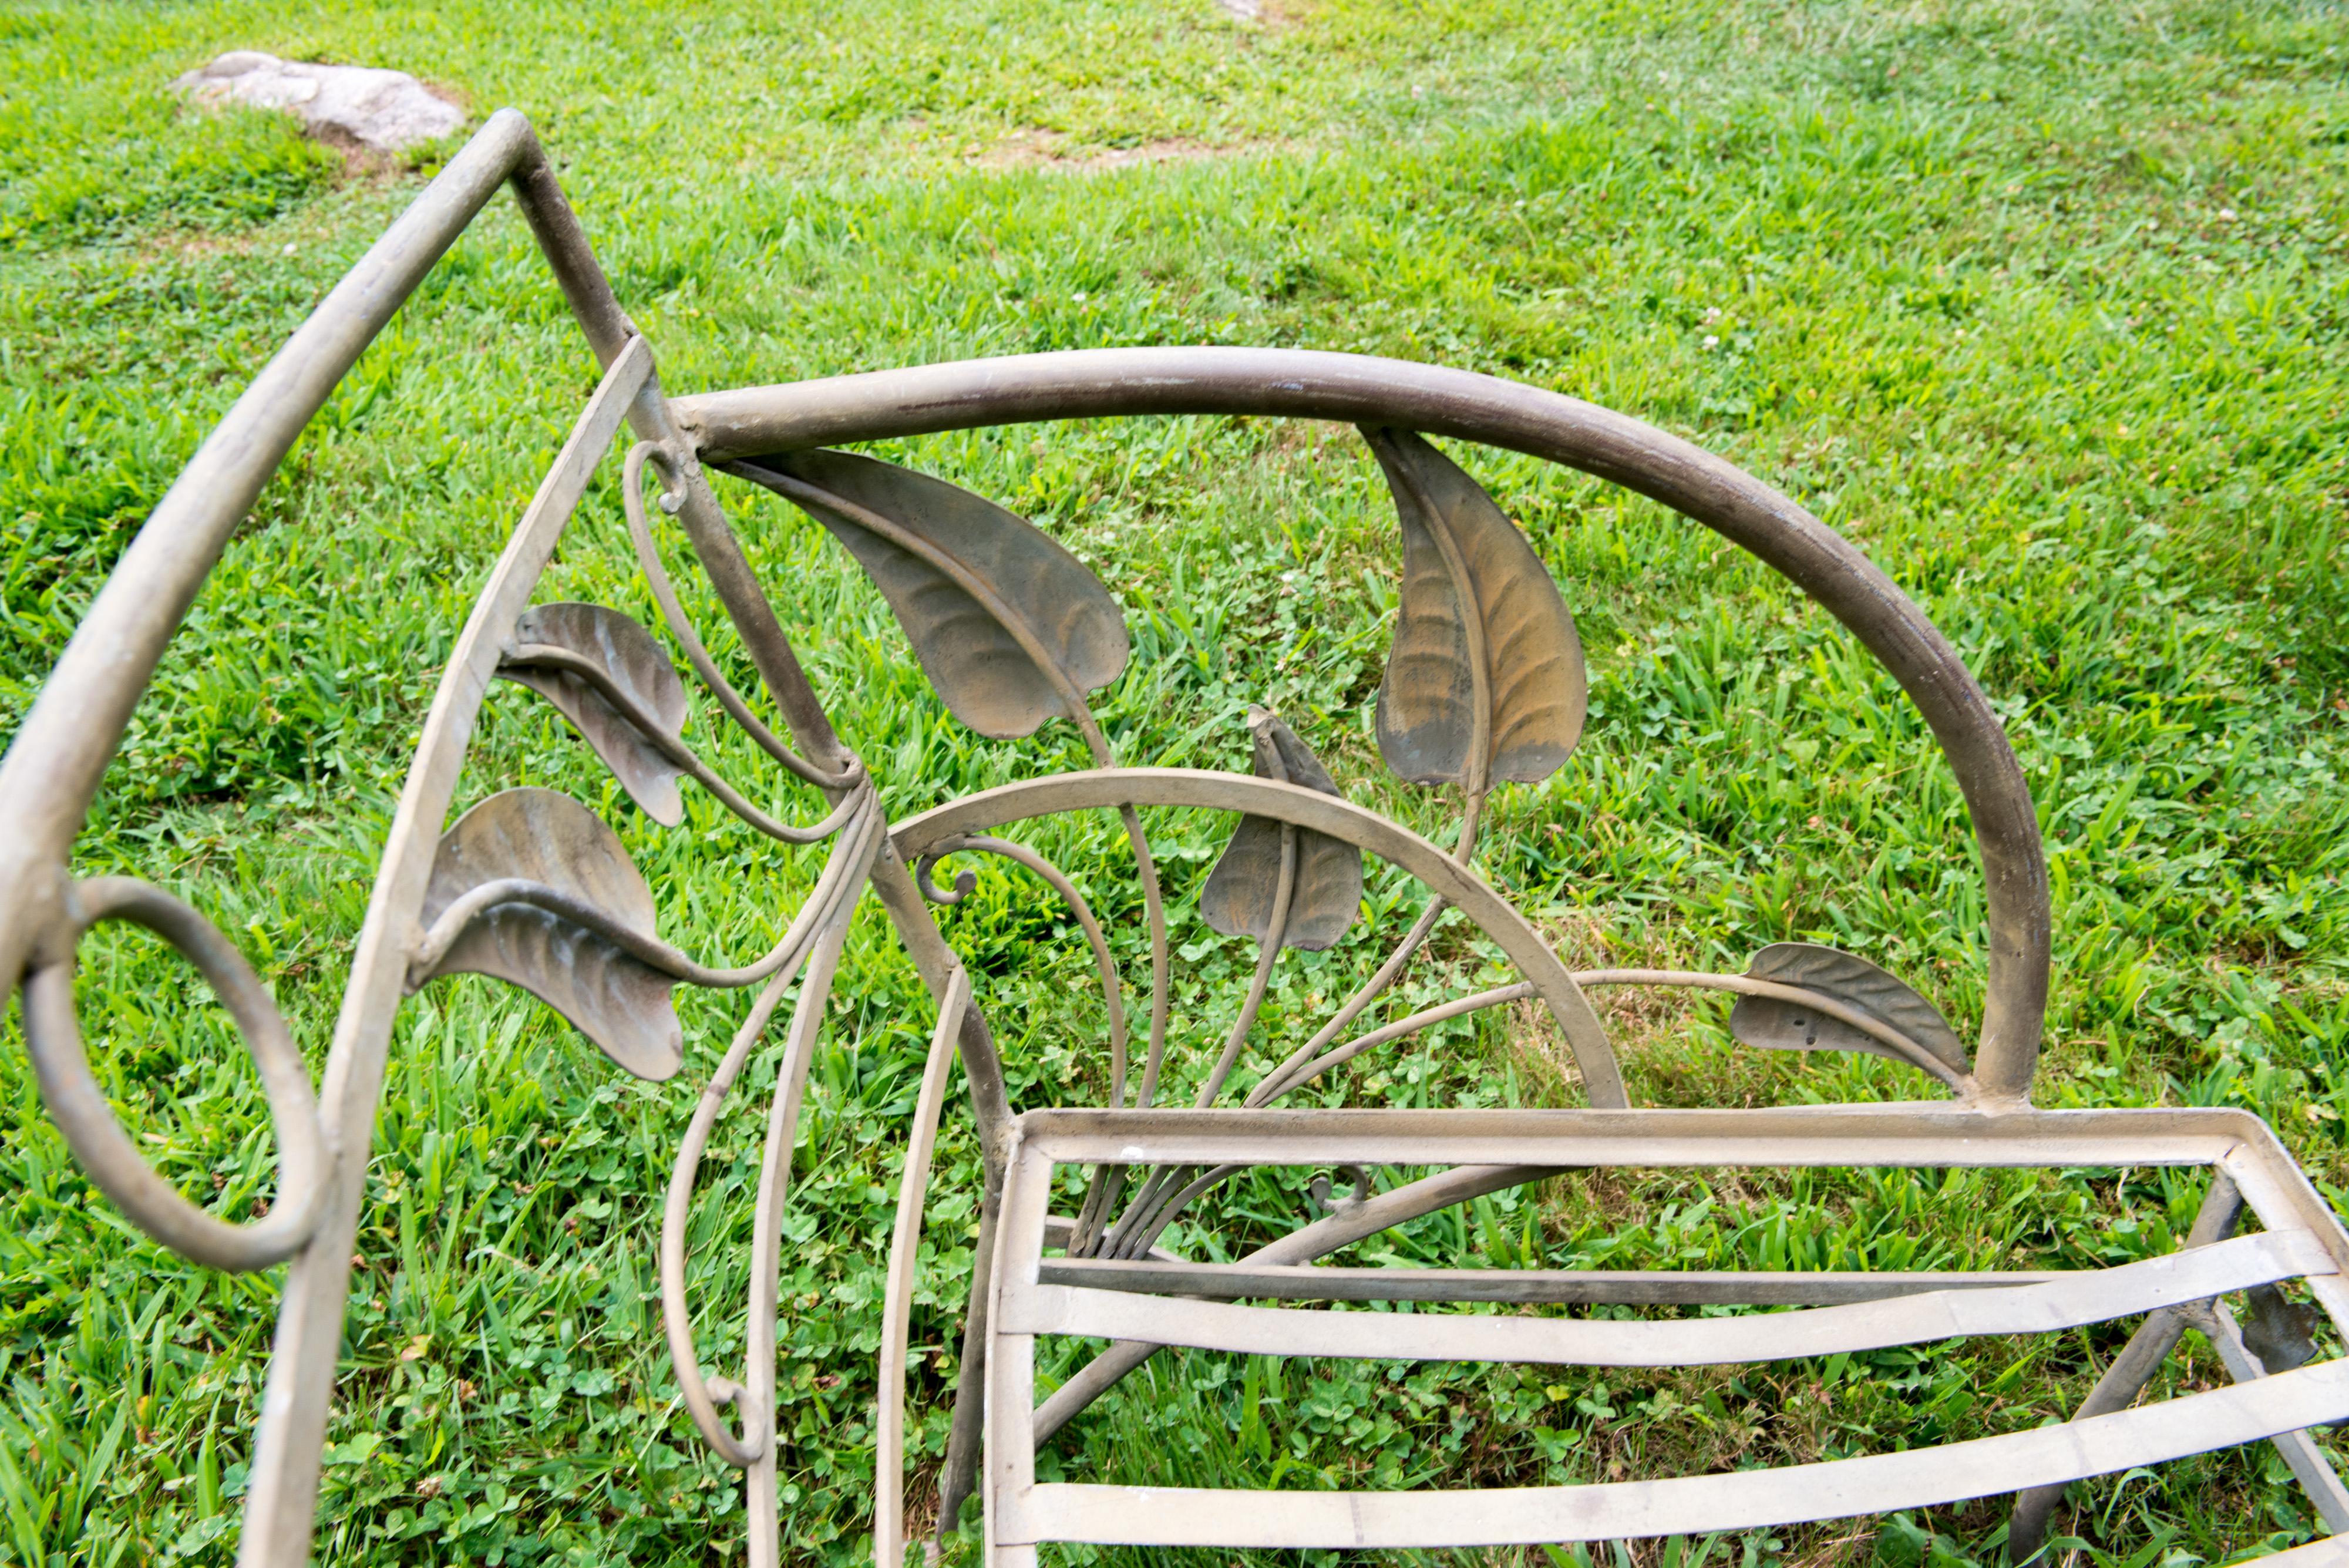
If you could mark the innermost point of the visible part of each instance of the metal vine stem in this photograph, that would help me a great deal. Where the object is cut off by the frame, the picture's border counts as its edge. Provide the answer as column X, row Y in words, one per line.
column 1484, row 686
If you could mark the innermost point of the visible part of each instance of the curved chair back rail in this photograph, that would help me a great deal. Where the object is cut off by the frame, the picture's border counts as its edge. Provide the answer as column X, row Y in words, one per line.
column 59, row 753
column 1338, row 818
column 614, row 976
column 1303, row 384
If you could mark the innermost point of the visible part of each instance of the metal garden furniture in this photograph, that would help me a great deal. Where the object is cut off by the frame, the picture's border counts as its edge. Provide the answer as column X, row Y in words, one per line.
column 1484, row 684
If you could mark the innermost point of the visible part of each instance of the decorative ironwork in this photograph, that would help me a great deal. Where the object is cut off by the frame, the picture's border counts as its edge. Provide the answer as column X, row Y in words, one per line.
column 1484, row 684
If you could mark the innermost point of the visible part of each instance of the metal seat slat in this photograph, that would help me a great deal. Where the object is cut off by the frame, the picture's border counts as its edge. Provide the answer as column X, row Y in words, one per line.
column 2087, row 1297
column 1682, row 1505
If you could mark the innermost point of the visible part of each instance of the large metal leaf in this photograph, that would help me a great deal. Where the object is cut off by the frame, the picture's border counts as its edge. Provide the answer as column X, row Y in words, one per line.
column 971, row 651
column 1239, row 899
column 629, row 657
column 1850, row 979
column 1535, row 685
column 540, row 836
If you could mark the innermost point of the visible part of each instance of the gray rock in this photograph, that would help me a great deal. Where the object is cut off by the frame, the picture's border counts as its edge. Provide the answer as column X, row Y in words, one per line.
column 381, row 110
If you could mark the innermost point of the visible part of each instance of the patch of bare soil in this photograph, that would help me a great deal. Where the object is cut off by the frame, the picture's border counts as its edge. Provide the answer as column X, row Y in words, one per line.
column 1034, row 148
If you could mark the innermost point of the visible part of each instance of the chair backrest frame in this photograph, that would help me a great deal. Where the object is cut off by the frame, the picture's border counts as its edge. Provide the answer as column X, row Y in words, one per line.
column 57, row 758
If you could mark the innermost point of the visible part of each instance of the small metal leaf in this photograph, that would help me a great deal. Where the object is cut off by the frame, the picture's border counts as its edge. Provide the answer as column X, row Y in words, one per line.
column 629, row 658
column 1535, row 684
column 1328, row 890
column 1850, row 979
column 541, row 835
column 971, row 651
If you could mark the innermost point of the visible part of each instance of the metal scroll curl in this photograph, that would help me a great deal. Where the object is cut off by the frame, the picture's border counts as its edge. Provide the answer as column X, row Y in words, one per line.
column 78, row 1106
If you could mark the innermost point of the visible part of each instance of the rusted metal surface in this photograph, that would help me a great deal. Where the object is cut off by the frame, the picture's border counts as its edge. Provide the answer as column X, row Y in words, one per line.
column 1032, row 1299
column 1484, row 677
column 1011, row 628
column 1869, row 1003
column 1457, row 404
column 1326, row 873
column 1484, row 685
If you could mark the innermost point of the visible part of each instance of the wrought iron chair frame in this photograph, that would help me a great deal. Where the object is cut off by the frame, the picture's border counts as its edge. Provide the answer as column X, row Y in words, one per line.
column 444, row 901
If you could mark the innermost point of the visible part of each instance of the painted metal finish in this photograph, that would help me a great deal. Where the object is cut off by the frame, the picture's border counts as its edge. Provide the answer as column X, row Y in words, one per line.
column 1484, row 678
column 897, row 1291
column 1325, row 873
column 1464, row 406
column 1164, row 1302
column 2041, row 1307
column 78, row 1106
column 1771, row 1019
column 1689, row 1505
column 1484, row 684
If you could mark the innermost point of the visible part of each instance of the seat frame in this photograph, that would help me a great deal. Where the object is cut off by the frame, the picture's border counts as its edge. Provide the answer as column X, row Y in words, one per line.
column 531, row 887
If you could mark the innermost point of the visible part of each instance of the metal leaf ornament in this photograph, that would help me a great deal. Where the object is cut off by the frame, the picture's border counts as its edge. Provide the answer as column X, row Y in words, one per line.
column 1852, row 981
column 1485, row 655
column 1327, row 888
column 553, row 641
column 1011, row 628
column 545, row 838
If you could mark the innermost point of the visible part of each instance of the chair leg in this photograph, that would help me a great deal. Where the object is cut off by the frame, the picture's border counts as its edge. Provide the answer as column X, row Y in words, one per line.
column 2314, row 1472
column 2156, row 1337
column 2026, row 1530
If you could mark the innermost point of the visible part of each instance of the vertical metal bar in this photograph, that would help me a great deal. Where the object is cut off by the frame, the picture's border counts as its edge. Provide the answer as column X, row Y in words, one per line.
column 897, row 1295
column 765, row 1523
column 282, row 1496
column 754, row 619
column 1011, row 1360
column 960, row 1474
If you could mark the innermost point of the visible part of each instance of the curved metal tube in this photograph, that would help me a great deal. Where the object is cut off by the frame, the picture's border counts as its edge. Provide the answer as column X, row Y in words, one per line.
column 673, row 747
column 1911, row 1053
column 897, row 1293
column 1273, row 1088
column 1465, row 851
column 1077, row 709
column 677, row 1316
column 1358, row 390
column 1267, row 953
column 632, row 499
column 1059, row 882
column 1154, row 1210
column 78, row 1106
column 1331, row 814
column 760, row 1501
column 1916, row 1055
column 1105, row 1177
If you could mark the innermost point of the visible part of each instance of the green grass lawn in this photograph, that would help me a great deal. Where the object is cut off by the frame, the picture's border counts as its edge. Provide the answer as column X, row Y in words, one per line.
column 2046, row 306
